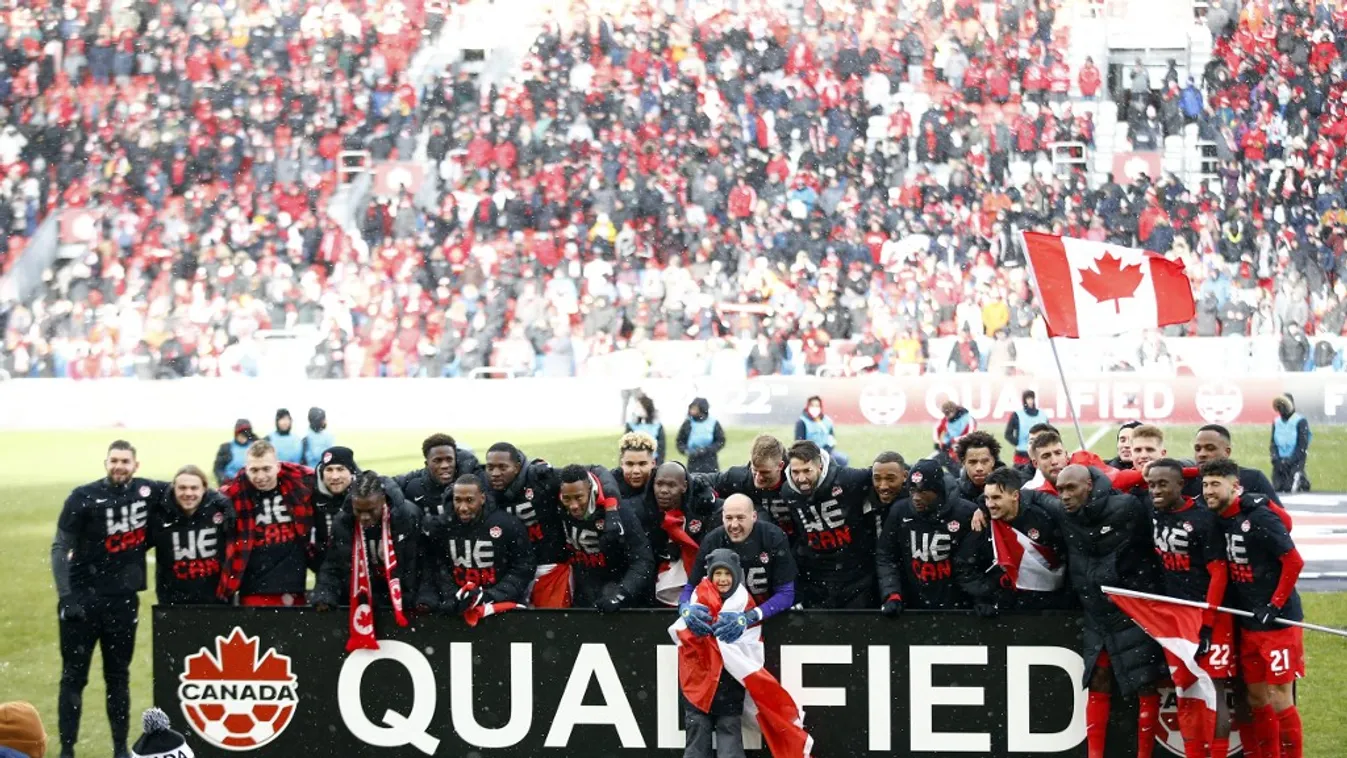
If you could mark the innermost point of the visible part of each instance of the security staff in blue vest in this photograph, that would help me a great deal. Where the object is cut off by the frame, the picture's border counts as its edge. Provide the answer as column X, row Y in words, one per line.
column 318, row 439
column 1290, row 446
column 646, row 421
column 1019, row 424
column 232, row 455
column 815, row 426
column 289, row 446
column 701, row 438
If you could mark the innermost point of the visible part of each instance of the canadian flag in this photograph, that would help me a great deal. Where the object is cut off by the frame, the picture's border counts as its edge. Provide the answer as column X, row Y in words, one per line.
column 1027, row 564
column 1177, row 628
column 1093, row 289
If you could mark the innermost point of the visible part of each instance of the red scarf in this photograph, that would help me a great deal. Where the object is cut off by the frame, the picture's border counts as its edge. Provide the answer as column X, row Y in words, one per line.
column 362, row 593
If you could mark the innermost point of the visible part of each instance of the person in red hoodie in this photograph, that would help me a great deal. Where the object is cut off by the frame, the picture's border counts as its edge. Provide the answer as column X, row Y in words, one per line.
column 1089, row 80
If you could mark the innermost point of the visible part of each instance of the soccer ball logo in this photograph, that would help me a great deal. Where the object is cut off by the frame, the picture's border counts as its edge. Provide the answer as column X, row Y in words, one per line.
column 235, row 699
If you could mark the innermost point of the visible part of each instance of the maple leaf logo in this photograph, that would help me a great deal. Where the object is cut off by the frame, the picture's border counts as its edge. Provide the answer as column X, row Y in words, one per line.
column 236, row 699
column 236, row 659
column 1110, row 280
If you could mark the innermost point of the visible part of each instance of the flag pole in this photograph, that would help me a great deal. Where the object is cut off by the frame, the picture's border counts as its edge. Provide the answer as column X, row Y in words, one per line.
column 1052, row 343
column 1232, row 611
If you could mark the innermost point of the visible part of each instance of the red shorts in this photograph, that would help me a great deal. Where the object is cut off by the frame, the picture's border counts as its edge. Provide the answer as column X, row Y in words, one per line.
column 1276, row 656
column 1222, row 661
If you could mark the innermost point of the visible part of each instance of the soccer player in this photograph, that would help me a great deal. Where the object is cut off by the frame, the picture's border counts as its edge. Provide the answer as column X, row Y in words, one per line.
column 761, row 480
column 98, row 564
column 1148, row 446
column 1049, row 458
column 530, row 491
column 188, row 534
column 1027, row 470
column 1264, row 566
column 1034, row 515
column 1123, row 460
column 428, row 488
column 1212, row 443
column 611, row 561
column 764, row 552
column 888, row 484
column 676, row 511
column 917, row 558
column 1191, row 546
column 391, row 530
column 635, row 463
column 831, row 509
column 475, row 555
column 332, row 481
column 979, row 454
column 1108, row 540
column 1020, row 426
column 267, row 563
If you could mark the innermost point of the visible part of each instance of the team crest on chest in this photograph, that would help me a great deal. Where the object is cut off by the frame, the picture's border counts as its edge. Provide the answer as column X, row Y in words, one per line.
column 1244, row 526
column 953, row 526
column 1187, row 526
column 837, row 491
column 144, row 491
column 528, row 493
column 495, row 532
column 694, row 526
column 1033, row 534
column 763, row 557
column 598, row 524
column 218, row 518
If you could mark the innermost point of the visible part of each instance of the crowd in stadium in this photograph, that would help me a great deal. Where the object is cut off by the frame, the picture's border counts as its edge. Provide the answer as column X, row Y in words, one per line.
column 794, row 527
column 639, row 179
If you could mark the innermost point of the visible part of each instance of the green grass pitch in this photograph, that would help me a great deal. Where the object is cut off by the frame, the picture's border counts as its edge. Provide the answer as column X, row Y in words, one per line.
column 39, row 469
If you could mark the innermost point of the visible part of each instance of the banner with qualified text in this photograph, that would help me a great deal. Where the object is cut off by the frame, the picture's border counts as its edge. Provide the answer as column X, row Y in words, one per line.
column 574, row 683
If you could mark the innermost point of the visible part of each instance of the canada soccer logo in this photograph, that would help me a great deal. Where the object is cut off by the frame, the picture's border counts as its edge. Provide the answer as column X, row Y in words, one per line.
column 496, row 532
column 236, row 699
column 1219, row 402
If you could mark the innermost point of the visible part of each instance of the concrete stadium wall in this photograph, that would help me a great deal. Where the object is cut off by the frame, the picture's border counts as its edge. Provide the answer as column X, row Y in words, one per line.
column 598, row 404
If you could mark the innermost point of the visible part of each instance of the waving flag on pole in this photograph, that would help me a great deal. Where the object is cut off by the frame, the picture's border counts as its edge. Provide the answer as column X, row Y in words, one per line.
column 1093, row 289
column 701, row 659
column 1177, row 628
column 1029, row 565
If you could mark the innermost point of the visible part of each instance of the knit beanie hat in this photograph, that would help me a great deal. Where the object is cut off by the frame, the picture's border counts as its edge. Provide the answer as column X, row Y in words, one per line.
column 159, row 739
column 21, row 728
column 338, row 456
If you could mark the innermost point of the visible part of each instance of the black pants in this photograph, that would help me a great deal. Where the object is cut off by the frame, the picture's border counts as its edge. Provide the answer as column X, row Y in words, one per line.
column 109, row 623
column 700, row 726
column 1289, row 476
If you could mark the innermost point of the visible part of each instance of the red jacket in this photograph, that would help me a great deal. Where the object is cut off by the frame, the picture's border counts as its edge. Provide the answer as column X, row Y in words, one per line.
column 1089, row 80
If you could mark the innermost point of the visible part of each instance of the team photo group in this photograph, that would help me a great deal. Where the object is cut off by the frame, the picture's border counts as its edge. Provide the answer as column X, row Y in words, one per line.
column 792, row 529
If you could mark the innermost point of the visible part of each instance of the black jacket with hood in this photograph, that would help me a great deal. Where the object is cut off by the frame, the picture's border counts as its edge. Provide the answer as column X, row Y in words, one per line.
column 1109, row 542
column 610, row 553
column 334, row 578
column 534, row 498
column 835, row 547
column 326, row 506
column 700, row 509
column 492, row 552
column 423, row 491
column 189, row 550
column 923, row 557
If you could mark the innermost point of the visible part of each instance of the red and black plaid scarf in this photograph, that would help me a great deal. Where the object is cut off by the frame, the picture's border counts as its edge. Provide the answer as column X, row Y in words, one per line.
column 292, row 484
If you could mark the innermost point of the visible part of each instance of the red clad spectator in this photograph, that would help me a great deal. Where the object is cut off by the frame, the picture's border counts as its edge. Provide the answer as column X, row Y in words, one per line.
column 1060, row 77
column 998, row 82
column 742, row 200
column 1089, row 79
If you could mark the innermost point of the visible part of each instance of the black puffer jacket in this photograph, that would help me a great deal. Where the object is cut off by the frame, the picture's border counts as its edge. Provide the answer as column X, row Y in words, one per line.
column 427, row 494
column 334, row 578
column 1108, row 542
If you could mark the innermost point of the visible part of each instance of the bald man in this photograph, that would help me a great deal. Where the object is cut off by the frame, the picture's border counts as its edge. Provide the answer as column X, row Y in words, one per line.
column 677, row 512
column 764, row 552
column 1108, row 542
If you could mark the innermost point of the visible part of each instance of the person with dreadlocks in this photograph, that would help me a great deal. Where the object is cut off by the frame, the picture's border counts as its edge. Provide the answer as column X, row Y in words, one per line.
column 267, row 563
column 374, row 557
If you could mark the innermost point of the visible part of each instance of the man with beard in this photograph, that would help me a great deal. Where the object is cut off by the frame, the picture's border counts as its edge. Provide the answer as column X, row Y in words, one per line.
column 1264, row 566
column 610, row 554
column 1021, row 424
column 476, row 554
column 1212, row 443
column 761, row 481
column 918, row 558
column 1123, row 460
column 336, row 470
column 1038, row 581
column 635, row 461
column 1049, row 457
column 888, row 484
column 267, row 564
column 980, row 455
column 764, row 552
column 529, row 490
column 834, row 521
column 676, row 512
column 428, row 488
column 189, row 533
column 1108, row 541
column 98, row 564
column 375, row 512
column 1191, row 546
column 1027, row 470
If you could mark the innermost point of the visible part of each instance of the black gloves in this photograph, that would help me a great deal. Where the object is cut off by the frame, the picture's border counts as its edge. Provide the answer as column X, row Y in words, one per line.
column 1267, row 614
column 610, row 603
column 986, row 610
column 893, row 605
column 70, row 610
column 1203, row 642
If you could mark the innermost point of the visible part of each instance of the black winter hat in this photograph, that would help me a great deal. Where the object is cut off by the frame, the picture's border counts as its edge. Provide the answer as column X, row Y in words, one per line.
column 159, row 739
column 338, row 456
column 927, row 476
column 317, row 418
column 282, row 413
column 243, row 425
